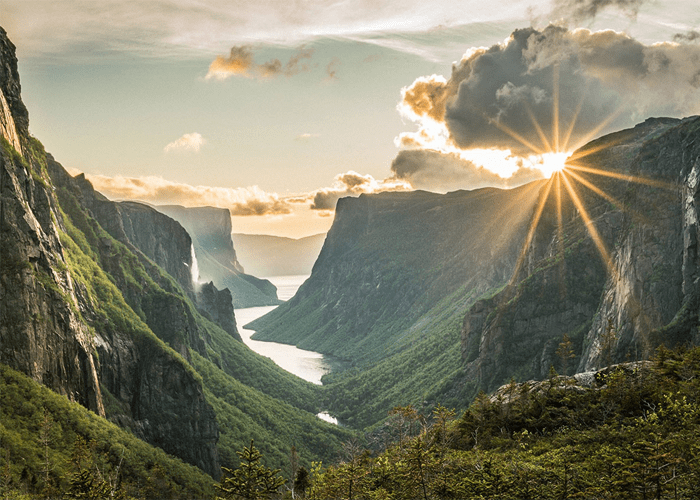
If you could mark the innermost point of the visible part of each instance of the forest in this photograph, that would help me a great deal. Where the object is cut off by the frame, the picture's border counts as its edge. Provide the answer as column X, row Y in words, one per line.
column 629, row 431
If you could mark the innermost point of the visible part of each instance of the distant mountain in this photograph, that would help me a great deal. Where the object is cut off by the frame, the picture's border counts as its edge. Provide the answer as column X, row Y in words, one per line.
column 434, row 297
column 264, row 255
column 210, row 229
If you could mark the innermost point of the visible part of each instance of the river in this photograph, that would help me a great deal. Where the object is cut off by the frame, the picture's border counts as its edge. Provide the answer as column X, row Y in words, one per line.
column 308, row 365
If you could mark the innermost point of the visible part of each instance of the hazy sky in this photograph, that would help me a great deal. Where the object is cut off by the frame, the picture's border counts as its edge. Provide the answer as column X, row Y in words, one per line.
column 274, row 109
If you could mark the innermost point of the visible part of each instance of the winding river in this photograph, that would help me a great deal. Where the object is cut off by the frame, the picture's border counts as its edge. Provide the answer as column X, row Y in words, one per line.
column 308, row 365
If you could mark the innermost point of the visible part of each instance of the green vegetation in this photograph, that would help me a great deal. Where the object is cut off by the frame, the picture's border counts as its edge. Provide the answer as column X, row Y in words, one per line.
column 252, row 397
column 423, row 369
column 50, row 445
column 634, row 437
column 252, row 480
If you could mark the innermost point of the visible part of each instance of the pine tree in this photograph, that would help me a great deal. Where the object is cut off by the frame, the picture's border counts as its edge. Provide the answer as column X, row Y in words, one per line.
column 252, row 480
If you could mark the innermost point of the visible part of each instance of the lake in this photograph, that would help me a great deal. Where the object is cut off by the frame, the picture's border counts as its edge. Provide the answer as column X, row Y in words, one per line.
column 308, row 365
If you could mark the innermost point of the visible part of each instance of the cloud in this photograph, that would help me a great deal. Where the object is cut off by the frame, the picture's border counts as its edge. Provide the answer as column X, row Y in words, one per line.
column 436, row 171
column 585, row 10
column 181, row 27
column 689, row 37
column 247, row 201
column 240, row 201
column 504, row 97
column 188, row 142
column 241, row 62
column 306, row 137
column 353, row 184
column 332, row 69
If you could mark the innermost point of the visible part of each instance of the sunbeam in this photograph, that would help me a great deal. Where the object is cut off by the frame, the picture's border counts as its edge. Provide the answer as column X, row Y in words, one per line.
column 533, row 227
column 606, row 196
column 590, row 226
column 555, row 109
column 625, row 177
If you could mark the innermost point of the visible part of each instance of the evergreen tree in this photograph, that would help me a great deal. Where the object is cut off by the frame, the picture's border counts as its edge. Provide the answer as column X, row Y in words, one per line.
column 252, row 480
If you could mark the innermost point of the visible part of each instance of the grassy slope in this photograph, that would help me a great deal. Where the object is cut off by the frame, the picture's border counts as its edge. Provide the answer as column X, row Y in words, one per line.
column 23, row 404
column 247, row 393
column 422, row 368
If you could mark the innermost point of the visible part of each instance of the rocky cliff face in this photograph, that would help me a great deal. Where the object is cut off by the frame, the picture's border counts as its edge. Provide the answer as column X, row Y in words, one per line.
column 210, row 229
column 617, row 307
column 58, row 309
column 218, row 307
column 40, row 330
column 389, row 258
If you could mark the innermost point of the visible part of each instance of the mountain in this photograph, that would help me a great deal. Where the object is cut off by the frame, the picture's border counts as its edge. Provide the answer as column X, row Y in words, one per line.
column 389, row 290
column 390, row 257
column 210, row 229
column 617, row 307
column 264, row 255
column 98, row 304
column 435, row 297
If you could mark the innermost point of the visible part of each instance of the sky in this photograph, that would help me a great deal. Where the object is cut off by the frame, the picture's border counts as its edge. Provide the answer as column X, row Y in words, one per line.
column 275, row 109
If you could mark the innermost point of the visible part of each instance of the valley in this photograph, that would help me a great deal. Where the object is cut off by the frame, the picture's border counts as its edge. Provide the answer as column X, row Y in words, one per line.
column 146, row 350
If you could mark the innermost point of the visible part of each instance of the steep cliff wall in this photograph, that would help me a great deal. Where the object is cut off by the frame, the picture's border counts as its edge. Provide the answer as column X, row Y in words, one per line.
column 40, row 329
column 390, row 258
column 210, row 229
column 58, row 308
column 613, row 308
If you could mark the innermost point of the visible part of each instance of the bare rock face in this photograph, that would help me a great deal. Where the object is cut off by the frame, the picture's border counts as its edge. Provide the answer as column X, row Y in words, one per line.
column 616, row 291
column 40, row 331
column 51, row 328
column 217, row 305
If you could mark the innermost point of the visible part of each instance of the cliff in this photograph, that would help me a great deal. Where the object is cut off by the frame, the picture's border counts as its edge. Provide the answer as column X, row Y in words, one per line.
column 40, row 329
column 210, row 229
column 390, row 258
column 60, row 314
column 615, row 304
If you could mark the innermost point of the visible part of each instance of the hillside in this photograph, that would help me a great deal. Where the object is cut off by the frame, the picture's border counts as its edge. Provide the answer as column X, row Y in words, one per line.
column 264, row 255
column 98, row 305
column 435, row 297
column 628, row 432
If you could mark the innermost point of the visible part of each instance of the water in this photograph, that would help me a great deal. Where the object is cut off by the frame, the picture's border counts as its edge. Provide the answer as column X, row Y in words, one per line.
column 308, row 365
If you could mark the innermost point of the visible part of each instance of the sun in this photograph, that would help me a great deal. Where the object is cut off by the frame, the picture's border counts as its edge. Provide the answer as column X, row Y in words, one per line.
column 551, row 163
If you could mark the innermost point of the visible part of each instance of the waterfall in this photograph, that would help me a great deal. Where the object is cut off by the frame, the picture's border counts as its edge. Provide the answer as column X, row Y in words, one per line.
column 195, row 267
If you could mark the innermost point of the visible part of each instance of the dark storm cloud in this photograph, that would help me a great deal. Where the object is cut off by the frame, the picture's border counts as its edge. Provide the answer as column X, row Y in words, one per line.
column 495, row 96
column 435, row 171
column 586, row 10
column 689, row 37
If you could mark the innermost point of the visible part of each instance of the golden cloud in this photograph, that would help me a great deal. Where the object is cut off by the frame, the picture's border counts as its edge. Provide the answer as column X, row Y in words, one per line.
column 353, row 184
column 241, row 62
column 156, row 190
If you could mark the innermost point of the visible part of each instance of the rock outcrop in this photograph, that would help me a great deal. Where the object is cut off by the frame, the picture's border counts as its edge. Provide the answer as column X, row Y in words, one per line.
column 218, row 307
column 65, row 323
column 210, row 229
column 618, row 279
